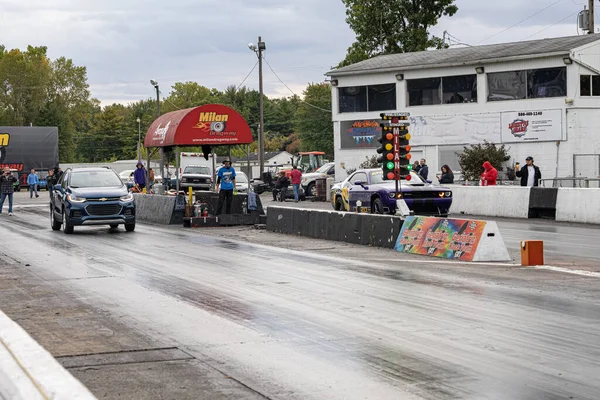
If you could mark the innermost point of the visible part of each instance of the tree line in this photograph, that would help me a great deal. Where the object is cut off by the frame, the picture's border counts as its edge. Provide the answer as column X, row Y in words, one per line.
column 38, row 91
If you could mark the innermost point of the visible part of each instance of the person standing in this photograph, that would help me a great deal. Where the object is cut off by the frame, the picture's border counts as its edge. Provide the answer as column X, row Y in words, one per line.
column 225, row 186
column 151, row 178
column 7, row 188
column 530, row 175
column 51, row 181
column 281, row 187
column 447, row 175
column 296, row 176
column 139, row 176
column 424, row 169
column 416, row 167
column 33, row 181
column 489, row 176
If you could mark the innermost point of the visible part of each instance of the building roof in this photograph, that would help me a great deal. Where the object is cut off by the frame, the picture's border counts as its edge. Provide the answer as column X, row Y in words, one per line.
column 467, row 55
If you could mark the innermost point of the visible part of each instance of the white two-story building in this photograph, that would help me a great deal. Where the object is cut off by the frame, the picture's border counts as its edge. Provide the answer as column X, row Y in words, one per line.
column 540, row 98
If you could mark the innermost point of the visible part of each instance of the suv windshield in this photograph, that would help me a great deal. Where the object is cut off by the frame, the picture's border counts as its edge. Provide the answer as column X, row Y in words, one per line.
column 85, row 179
column 197, row 170
column 324, row 169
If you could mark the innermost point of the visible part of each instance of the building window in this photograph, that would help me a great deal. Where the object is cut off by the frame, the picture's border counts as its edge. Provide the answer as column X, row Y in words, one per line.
column 547, row 82
column 445, row 90
column 530, row 84
column 459, row 89
column 353, row 99
column 367, row 98
column 585, row 85
column 589, row 85
column 596, row 85
column 507, row 85
column 424, row 92
column 382, row 97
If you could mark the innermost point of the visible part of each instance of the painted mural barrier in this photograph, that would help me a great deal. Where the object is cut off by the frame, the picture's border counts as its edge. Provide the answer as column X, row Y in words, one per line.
column 458, row 239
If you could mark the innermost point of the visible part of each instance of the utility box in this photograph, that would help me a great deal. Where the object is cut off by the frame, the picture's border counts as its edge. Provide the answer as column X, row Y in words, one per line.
column 532, row 253
column 583, row 20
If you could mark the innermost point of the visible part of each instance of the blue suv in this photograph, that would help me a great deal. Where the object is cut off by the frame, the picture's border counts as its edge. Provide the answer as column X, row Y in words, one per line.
column 91, row 196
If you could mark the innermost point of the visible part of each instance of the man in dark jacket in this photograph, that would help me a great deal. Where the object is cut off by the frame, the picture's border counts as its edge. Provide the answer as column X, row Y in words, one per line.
column 281, row 187
column 530, row 175
column 424, row 170
column 7, row 187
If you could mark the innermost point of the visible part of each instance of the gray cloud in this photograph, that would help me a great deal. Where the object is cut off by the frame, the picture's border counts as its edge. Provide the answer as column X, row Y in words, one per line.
column 125, row 43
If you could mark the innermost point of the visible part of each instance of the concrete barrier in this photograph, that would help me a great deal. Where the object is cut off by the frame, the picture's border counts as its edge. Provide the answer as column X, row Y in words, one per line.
column 492, row 201
column 364, row 229
column 578, row 205
column 29, row 372
column 164, row 210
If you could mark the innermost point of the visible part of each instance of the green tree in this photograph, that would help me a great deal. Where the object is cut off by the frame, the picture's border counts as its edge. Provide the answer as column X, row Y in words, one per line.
column 393, row 26
column 471, row 159
column 313, row 119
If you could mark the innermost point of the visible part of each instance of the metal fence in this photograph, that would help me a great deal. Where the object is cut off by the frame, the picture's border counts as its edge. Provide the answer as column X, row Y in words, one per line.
column 571, row 182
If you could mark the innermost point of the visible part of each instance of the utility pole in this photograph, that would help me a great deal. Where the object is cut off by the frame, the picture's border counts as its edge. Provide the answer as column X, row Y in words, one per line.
column 261, row 131
column 591, row 7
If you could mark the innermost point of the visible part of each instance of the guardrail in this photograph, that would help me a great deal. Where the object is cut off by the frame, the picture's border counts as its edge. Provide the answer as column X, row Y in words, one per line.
column 29, row 372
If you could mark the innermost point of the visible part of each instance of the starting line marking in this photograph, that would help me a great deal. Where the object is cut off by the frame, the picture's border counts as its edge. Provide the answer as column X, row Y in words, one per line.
column 566, row 270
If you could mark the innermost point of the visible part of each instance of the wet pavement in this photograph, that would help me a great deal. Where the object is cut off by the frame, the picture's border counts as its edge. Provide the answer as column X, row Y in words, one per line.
column 280, row 317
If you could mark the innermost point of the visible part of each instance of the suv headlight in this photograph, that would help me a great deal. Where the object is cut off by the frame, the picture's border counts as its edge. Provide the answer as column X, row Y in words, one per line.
column 127, row 197
column 76, row 199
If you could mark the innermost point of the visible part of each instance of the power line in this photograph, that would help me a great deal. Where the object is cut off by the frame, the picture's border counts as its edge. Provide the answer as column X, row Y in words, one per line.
column 550, row 26
column 249, row 73
column 291, row 91
column 521, row 21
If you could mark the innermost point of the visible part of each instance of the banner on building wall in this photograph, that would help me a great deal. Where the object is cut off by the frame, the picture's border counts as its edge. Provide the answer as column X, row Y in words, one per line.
column 531, row 126
column 454, row 129
column 360, row 134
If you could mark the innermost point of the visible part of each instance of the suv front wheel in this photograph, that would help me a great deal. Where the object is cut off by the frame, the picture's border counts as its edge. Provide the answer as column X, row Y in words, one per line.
column 67, row 227
column 53, row 222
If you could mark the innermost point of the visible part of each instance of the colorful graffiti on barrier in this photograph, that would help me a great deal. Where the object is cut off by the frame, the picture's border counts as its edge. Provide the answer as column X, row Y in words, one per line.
column 439, row 237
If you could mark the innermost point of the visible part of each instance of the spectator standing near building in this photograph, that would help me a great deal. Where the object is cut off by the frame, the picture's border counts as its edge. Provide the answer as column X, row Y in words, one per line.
column 489, row 176
column 139, row 176
column 151, row 178
column 7, row 188
column 424, row 169
column 33, row 181
column 530, row 175
column 225, row 186
column 296, row 176
column 447, row 175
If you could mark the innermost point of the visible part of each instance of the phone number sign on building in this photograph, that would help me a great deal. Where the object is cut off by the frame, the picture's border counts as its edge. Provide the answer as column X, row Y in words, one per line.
column 528, row 126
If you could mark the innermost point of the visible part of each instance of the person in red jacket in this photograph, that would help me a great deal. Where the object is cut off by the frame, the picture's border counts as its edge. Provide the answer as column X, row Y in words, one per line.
column 489, row 176
column 296, row 176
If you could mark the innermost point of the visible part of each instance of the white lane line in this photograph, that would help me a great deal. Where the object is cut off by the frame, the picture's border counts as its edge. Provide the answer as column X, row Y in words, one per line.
column 566, row 270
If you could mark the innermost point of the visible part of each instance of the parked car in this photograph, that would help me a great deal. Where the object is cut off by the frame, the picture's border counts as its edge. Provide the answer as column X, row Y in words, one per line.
column 379, row 196
column 127, row 177
column 91, row 196
column 198, row 177
column 289, row 195
column 241, row 182
column 309, row 180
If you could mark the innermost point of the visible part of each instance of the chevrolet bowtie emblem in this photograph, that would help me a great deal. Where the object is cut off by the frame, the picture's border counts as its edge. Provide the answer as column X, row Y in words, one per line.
column 103, row 199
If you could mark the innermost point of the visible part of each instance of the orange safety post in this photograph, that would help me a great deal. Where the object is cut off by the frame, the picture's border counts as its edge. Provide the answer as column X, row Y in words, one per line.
column 532, row 253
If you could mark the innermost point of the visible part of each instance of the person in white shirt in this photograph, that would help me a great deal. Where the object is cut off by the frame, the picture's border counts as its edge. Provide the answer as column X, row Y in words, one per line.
column 530, row 174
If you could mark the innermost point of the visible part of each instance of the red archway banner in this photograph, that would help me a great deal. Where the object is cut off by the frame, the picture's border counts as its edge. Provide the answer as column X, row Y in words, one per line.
column 211, row 124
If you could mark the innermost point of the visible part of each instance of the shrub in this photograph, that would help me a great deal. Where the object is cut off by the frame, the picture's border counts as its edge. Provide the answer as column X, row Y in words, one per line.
column 472, row 158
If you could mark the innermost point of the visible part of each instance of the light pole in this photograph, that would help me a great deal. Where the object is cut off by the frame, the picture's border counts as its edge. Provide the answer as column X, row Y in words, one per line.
column 258, row 49
column 139, row 139
column 162, row 149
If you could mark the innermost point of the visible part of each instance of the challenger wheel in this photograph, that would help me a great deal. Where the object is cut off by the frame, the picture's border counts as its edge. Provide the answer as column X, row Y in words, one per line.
column 377, row 206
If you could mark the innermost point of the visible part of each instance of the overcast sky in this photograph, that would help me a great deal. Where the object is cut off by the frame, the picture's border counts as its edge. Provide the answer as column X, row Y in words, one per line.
column 125, row 43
